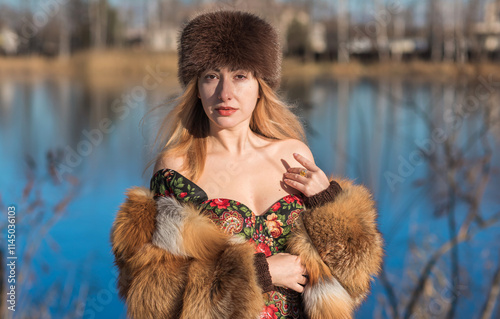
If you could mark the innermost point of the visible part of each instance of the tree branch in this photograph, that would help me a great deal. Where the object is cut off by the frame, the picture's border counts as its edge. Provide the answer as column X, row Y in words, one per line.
column 489, row 304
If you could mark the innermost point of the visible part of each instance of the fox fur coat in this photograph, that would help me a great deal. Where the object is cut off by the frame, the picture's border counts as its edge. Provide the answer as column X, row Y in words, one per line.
column 174, row 262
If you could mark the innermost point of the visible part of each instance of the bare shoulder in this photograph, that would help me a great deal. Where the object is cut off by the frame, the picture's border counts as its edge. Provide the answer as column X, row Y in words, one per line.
column 171, row 162
column 290, row 146
column 285, row 149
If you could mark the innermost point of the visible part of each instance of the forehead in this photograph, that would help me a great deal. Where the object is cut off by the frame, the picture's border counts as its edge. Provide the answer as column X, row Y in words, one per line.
column 228, row 69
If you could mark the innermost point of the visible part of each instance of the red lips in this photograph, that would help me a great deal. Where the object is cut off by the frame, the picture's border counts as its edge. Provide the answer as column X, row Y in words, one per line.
column 225, row 110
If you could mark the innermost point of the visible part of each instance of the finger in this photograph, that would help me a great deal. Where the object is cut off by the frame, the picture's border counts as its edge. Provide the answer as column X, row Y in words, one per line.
column 305, row 162
column 302, row 281
column 296, row 177
column 298, row 288
column 296, row 170
column 298, row 186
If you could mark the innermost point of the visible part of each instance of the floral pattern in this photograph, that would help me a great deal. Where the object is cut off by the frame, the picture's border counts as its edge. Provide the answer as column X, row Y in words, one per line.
column 231, row 222
column 268, row 232
column 274, row 225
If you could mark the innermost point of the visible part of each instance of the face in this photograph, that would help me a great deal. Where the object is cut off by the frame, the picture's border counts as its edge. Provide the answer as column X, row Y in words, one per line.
column 228, row 96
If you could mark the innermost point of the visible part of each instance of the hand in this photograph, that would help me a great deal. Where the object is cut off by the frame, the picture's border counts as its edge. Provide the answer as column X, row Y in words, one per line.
column 287, row 271
column 313, row 180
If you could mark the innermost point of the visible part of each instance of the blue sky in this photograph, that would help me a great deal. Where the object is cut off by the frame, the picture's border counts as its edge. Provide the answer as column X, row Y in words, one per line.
column 355, row 5
column 361, row 9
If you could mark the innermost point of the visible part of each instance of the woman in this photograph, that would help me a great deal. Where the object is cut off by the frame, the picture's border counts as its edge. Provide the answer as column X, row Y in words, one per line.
column 224, row 231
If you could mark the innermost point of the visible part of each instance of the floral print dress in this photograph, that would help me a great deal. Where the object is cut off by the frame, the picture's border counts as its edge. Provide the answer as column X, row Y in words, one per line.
column 269, row 232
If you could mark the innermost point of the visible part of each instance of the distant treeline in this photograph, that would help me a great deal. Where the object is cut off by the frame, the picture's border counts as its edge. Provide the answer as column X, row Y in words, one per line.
column 383, row 30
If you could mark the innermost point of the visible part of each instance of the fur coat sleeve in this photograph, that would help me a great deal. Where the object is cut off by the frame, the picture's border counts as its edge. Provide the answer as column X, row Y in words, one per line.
column 174, row 262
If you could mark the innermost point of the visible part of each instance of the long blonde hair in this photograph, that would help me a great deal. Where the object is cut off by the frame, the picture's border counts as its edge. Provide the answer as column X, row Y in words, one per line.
column 184, row 130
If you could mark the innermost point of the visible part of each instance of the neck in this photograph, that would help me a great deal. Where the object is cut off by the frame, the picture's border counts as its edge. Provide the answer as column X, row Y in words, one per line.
column 235, row 141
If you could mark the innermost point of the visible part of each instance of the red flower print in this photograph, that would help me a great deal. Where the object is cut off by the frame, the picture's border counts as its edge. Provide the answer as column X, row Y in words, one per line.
column 289, row 199
column 276, row 206
column 269, row 312
column 166, row 193
column 274, row 225
column 250, row 221
column 182, row 195
column 263, row 248
column 299, row 200
column 221, row 203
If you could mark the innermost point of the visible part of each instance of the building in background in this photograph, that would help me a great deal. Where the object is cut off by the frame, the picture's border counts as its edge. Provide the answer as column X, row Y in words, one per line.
column 488, row 30
column 9, row 41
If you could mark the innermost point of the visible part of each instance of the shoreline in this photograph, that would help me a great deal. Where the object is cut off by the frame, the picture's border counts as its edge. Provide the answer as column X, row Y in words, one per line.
column 122, row 65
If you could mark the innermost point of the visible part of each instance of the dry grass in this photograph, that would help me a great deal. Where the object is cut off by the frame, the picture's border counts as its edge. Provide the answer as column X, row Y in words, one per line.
column 114, row 67
column 99, row 68
column 417, row 70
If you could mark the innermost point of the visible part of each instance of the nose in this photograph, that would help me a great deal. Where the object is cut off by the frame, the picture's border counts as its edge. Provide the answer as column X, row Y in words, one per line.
column 225, row 89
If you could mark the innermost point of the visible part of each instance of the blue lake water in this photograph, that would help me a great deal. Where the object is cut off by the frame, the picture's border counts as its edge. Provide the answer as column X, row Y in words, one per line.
column 428, row 151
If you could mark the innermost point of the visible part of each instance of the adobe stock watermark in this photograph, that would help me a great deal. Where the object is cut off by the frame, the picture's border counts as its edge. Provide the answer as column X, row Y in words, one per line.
column 47, row 11
column 98, row 302
column 381, row 19
column 439, row 305
column 455, row 118
column 364, row 35
column 73, row 157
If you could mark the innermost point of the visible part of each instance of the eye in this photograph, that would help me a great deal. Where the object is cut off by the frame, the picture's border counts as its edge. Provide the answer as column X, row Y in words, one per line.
column 210, row 76
column 241, row 76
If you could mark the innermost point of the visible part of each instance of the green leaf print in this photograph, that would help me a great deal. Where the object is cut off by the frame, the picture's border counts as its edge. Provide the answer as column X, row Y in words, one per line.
column 178, row 181
column 282, row 219
column 286, row 231
column 248, row 232
column 162, row 189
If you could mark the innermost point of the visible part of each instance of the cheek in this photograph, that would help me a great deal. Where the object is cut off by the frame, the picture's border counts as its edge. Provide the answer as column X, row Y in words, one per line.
column 205, row 91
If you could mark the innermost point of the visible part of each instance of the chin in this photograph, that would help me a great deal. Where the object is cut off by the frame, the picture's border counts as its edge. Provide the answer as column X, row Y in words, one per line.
column 228, row 123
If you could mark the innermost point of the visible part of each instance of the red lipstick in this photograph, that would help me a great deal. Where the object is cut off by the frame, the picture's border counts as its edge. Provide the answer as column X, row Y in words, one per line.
column 225, row 110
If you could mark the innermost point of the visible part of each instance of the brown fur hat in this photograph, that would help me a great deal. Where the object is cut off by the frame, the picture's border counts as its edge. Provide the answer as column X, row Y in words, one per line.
column 230, row 38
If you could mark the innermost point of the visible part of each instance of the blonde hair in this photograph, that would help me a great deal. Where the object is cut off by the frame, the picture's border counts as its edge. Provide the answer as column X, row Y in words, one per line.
column 184, row 131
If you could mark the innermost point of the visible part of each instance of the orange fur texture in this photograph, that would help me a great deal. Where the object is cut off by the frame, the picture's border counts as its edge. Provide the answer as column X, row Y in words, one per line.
column 216, row 279
column 206, row 274
column 340, row 239
column 201, row 237
column 133, row 227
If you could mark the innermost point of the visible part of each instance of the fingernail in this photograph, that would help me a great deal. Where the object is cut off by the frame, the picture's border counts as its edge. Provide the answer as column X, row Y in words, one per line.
column 295, row 154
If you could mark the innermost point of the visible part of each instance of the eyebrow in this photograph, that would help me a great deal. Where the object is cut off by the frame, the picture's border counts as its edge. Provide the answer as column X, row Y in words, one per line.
column 232, row 70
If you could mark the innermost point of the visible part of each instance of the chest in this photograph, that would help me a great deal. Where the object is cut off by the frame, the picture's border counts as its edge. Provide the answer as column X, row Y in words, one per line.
column 253, row 181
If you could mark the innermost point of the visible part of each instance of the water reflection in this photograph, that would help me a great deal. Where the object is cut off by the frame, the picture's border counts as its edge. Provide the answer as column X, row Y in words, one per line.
column 430, row 158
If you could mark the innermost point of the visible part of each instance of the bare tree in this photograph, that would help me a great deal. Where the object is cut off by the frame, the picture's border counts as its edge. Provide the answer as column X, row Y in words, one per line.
column 381, row 33
column 98, row 16
column 343, row 32
column 470, row 20
column 64, row 32
column 399, row 28
column 434, row 17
